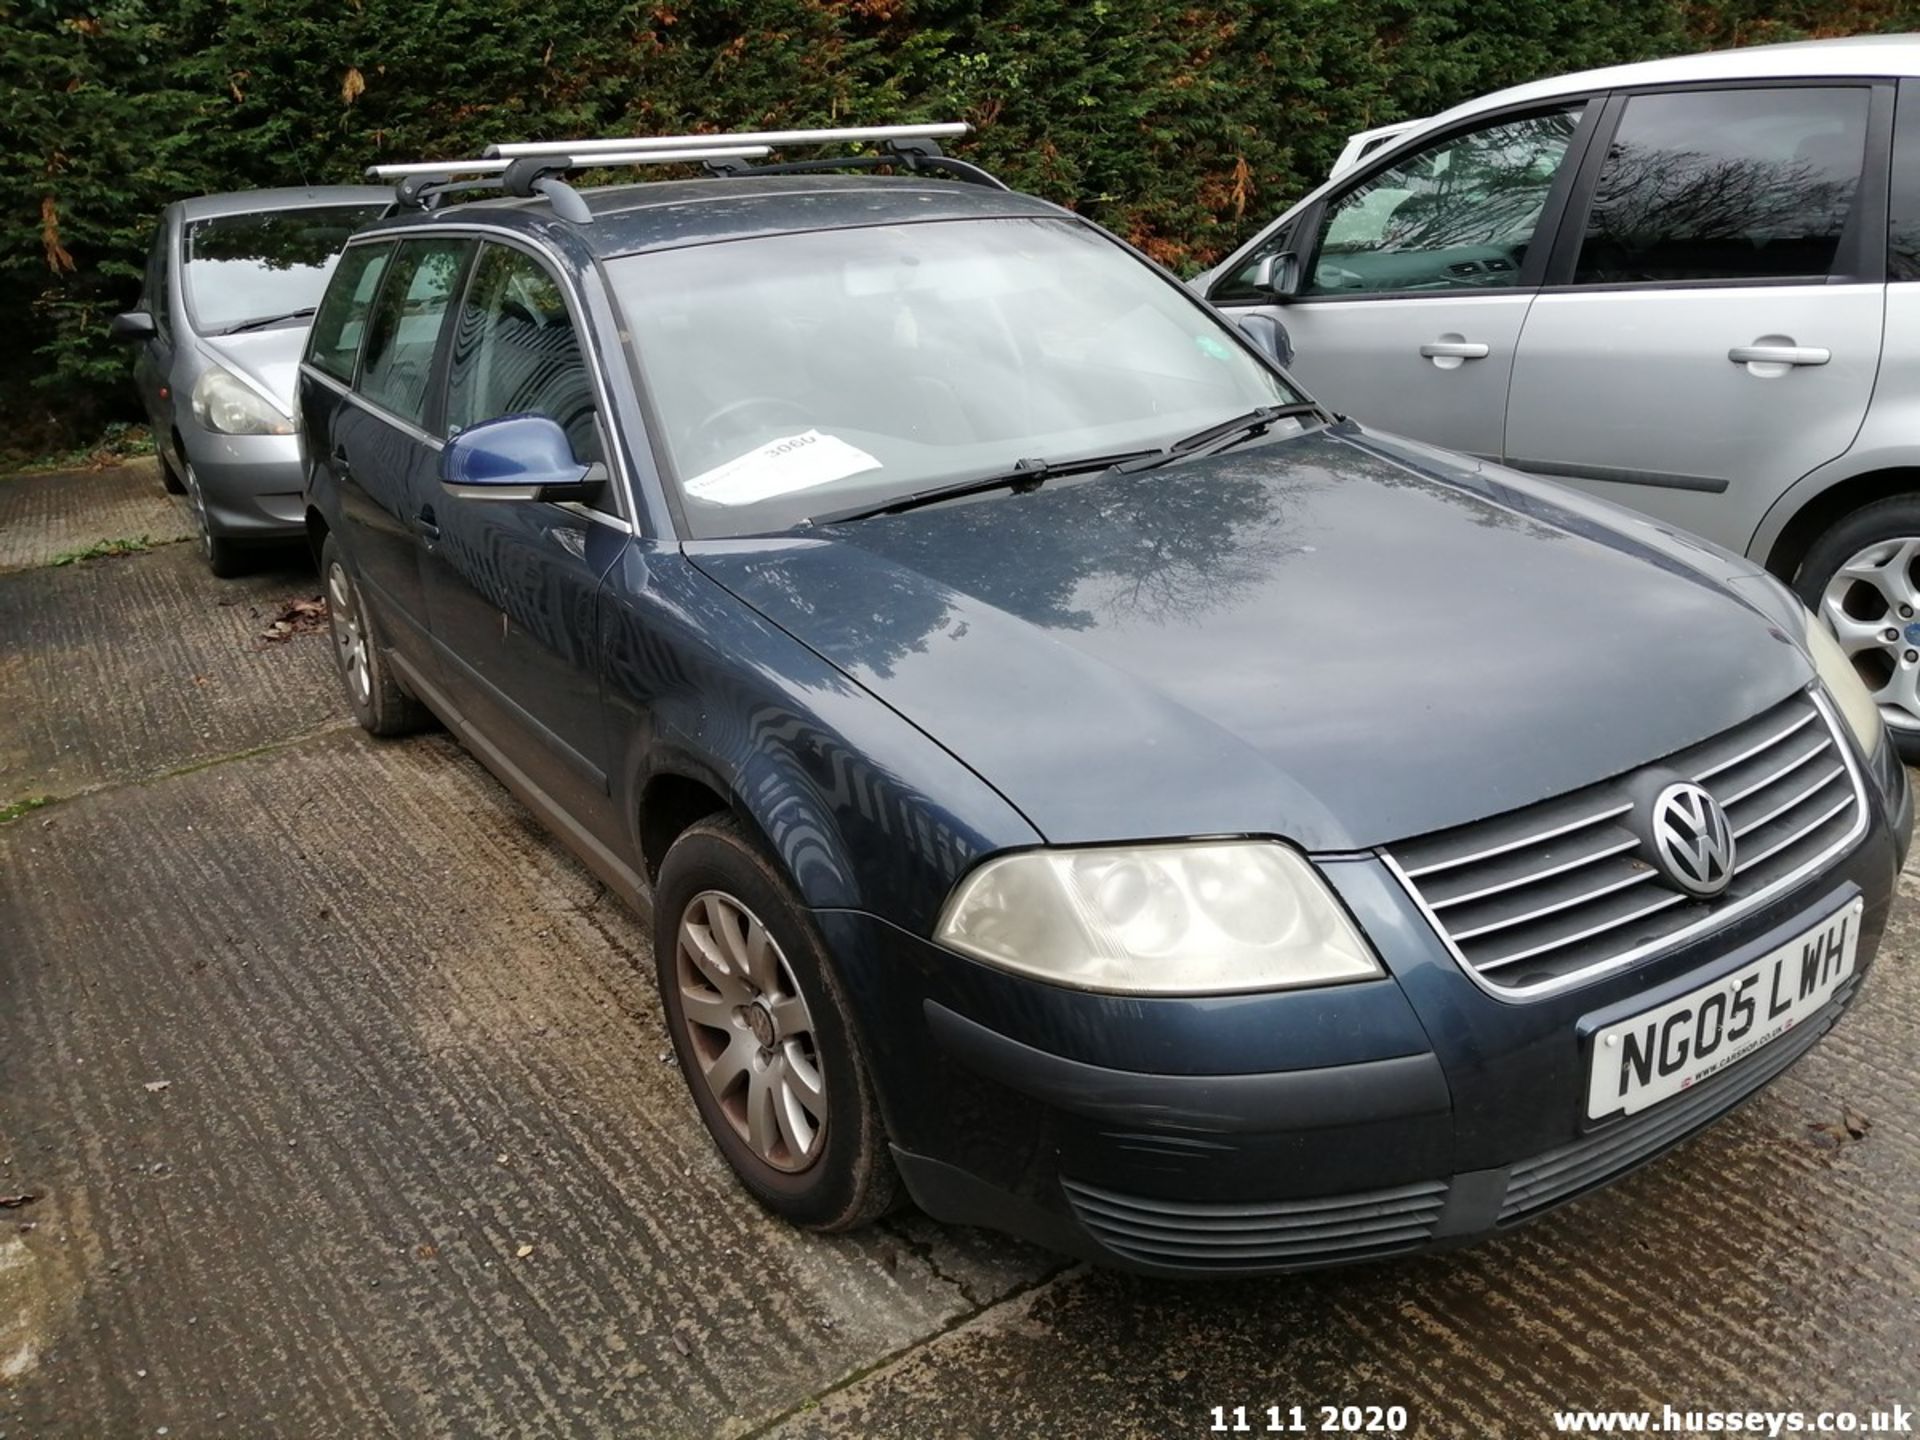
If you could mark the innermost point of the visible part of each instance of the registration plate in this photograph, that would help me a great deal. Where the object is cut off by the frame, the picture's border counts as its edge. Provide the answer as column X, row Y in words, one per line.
column 1673, row 1047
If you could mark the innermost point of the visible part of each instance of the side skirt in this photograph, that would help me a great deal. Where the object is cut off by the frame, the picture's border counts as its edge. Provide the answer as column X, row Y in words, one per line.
column 619, row 876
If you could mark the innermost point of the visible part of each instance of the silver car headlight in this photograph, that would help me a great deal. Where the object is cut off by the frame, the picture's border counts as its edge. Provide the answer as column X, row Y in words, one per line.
column 1844, row 684
column 1203, row 918
column 229, row 406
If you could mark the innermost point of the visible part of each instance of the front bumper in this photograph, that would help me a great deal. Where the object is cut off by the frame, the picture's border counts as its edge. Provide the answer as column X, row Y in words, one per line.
column 1259, row 1133
column 253, row 485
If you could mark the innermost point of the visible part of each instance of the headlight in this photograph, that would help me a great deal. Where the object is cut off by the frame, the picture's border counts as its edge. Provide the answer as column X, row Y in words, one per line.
column 1844, row 684
column 225, row 404
column 1206, row 918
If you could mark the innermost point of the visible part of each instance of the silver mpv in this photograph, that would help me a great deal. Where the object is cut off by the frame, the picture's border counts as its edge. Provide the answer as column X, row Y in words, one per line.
column 1690, row 286
column 226, row 299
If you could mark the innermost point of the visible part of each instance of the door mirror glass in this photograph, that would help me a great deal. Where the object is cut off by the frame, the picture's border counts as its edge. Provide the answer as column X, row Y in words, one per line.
column 1269, row 276
column 1458, row 214
column 131, row 326
column 1278, row 275
column 1268, row 335
column 517, row 457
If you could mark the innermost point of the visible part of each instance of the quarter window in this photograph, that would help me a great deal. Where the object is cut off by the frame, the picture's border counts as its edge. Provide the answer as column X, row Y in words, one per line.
column 516, row 352
column 342, row 316
column 1456, row 215
column 1726, row 185
column 405, row 327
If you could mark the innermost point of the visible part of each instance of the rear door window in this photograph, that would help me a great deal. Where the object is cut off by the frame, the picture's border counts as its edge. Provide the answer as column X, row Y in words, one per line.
column 342, row 318
column 404, row 329
column 1726, row 185
column 516, row 352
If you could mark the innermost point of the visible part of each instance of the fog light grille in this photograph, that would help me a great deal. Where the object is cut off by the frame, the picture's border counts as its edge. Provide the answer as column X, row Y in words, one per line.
column 1280, row 1235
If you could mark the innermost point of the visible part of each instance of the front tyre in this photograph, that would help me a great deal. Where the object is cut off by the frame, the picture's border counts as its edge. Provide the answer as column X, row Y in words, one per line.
column 378, row 702
column 225, row 558
column 763, row 1033
column 1862, row 577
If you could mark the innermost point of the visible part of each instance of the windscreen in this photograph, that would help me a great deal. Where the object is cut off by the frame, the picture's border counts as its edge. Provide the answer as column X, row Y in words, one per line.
column 794, row 375
column 242, row 269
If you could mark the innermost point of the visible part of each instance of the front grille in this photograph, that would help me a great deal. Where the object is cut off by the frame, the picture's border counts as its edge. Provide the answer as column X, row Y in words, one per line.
column 1540, row 898
column 1593, row 1159
column 1277, row 1235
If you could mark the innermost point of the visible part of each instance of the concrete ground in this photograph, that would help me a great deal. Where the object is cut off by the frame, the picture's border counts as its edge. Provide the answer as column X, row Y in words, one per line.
column 343, row 1103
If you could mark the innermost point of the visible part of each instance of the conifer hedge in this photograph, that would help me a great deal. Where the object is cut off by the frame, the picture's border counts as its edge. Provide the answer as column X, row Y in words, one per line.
column 1179, row 123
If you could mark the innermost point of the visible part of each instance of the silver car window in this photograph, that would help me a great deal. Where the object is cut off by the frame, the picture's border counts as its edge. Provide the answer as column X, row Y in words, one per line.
column 1726, row 185
column 1456, row 215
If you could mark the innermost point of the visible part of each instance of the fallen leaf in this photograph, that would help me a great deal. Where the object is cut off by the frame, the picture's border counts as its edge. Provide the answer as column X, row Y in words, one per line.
column 1856, row 1123
column 14, row 1202
column 298, row 617
column 680, row 1343
column 154, row 1087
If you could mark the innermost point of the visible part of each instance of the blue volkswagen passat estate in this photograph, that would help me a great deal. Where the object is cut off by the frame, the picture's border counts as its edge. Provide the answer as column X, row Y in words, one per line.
column 1076, row 780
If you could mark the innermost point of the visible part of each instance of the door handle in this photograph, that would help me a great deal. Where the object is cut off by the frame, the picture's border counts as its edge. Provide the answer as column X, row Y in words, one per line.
column 425, row 523
column 1779, row 355
column 1454, row 350
column 341, row 468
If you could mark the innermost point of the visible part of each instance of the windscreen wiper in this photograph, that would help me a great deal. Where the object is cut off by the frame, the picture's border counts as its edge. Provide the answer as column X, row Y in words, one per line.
column 1023, row 475
column 1218, row 437
column 263, row 321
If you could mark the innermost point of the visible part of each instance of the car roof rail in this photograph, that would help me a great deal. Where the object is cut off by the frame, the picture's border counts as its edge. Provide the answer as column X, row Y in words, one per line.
column 424, row 182
column 535, row 167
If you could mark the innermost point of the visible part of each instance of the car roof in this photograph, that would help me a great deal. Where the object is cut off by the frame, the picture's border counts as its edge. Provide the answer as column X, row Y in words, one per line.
column 291, row 197
column 1852, row 56
column 667, row 214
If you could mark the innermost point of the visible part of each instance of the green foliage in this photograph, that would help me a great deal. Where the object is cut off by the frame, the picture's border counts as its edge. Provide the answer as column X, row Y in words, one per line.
column 1179, row 125
column 106, row 550
column 115, row 443
column 15, row 809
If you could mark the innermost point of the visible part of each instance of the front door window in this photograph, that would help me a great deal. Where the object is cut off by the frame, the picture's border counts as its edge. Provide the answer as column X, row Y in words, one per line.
column 1457, row 215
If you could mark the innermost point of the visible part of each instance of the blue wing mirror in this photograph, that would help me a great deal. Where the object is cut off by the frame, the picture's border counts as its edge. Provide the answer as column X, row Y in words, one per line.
column 517, row 457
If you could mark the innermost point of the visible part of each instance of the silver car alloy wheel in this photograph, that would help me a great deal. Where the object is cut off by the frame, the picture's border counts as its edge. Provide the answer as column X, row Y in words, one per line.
column 349, row 633
column 197, row 502
column 752, row 1035
column 1872, row 605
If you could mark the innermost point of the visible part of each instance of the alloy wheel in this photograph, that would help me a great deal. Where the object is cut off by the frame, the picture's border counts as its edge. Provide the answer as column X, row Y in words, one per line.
column 349, row 633
column 198, row 503
column 752, row 1035
column 1872, row 605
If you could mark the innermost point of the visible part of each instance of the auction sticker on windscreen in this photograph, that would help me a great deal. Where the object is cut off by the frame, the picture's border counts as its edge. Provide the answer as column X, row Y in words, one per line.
column 1672, row 1047
column 781, row 467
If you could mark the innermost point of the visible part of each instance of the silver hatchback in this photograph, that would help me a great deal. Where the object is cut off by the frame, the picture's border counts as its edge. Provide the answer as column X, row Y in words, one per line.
column 1690, row 286
column 228, row 293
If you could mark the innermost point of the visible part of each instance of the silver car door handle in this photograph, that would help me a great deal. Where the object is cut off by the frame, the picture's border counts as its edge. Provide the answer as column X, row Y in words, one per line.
column 1779, row 355
column 1454, row 350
